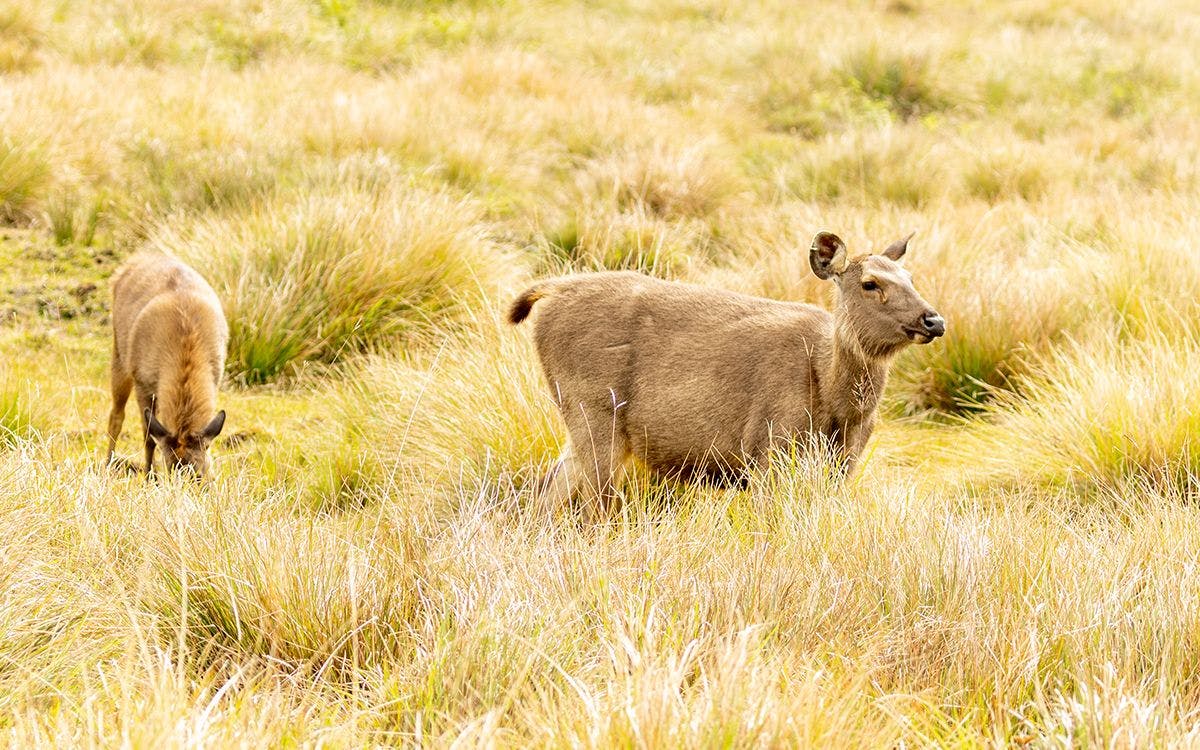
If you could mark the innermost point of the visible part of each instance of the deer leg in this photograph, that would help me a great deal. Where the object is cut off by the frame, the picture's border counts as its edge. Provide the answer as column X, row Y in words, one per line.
column 122, row 384
column 146, row 401
column 856, row 442
column 598, row 450
column 555, row 490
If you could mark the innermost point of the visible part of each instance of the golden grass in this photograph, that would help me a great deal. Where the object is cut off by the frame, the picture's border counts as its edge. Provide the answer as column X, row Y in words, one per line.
column 367, row 183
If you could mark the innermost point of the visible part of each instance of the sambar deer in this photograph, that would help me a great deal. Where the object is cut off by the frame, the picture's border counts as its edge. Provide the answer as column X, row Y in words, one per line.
column 169, row 339
column 698, row 381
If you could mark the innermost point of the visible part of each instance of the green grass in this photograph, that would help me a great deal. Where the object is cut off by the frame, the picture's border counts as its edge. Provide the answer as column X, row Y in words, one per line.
column 904, row 83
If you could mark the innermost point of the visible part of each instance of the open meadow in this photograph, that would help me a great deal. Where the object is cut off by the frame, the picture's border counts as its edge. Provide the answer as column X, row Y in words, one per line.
column 367, row 184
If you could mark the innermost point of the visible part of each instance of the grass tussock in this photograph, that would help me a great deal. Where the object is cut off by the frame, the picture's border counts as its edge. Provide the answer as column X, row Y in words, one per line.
column 323, row 276
column 852, row 168
column 277, row 598
column 688, row 183
column 998, row 177
column 1015, row 312
column 903, row 83
column 1099, row 415
column 504, row 424
column 20, row 39
column 625, row 240
column 24, row 175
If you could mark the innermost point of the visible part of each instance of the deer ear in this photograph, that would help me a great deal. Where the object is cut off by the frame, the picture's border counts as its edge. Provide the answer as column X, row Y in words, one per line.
column 827, row 256
column 896, row 250
column 214, row 427
column 155, row 428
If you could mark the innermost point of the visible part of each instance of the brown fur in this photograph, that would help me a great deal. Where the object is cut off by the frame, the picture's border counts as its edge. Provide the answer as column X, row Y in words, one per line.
column 523, row 304
column 169, row 340
column 698, row 381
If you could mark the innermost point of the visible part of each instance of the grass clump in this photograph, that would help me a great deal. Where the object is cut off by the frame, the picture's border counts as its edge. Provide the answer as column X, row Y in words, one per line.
column 866, row 169
column 322, row 276
column 476, row 407
column 1122, row 90
column 20, row 38
column 1013, row 313
column 1100, row 416
column 24, row 176
column 74, row 217
column 305, row 596
column 171, row 176
column 1000, row 176
column 625, row 240
column 903, row 82
column 323, row 471
column 671, row 183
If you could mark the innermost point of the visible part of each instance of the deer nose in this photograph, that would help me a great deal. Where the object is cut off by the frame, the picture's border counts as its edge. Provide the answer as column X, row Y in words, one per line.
column 935, row 325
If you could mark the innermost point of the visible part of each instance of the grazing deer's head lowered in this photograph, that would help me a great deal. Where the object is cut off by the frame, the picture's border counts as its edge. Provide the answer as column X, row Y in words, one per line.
column 186, row 450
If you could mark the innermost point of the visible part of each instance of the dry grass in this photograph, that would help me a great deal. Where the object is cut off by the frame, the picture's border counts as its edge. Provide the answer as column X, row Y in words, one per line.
column 366, row 183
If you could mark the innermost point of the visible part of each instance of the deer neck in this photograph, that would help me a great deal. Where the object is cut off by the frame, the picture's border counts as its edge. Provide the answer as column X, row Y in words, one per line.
column 855, row 378
column 187, row 397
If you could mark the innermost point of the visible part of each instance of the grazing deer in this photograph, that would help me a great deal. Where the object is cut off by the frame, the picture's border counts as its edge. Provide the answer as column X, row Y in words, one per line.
column 699, row 381
column 169, row 338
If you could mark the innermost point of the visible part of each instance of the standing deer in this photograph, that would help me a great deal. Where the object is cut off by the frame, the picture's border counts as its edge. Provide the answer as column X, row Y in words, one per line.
column 698, row 381
column 169, row 338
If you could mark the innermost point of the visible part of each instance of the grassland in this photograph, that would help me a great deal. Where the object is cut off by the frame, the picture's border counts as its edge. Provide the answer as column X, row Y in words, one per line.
column 367, row 182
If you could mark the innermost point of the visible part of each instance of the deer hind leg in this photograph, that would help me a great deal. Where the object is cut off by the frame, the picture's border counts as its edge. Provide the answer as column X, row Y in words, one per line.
column 122, row 384
column 588, row 469
column 554, row 491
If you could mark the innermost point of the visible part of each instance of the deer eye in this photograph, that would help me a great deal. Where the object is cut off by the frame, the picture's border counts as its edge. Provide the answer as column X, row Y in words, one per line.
column 869, row 286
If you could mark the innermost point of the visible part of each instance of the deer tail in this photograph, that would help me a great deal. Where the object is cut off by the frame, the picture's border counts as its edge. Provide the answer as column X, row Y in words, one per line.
column 521, row 306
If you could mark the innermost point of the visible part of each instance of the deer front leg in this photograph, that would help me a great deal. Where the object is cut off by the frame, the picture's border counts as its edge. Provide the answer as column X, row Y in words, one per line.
column 146, row 401
column 122, row 383
column 856, row 441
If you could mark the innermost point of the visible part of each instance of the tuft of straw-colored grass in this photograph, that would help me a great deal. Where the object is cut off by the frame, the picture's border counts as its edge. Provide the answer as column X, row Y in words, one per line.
column 1098, row 415
column 476, row 408
column 322, row 276
column 24, row 174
